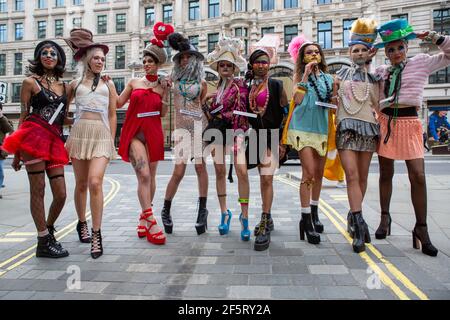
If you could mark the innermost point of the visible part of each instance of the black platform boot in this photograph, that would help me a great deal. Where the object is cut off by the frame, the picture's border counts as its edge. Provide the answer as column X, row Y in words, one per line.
column 350, row 224
column 422, row 238
column 361, row 234
column 202, row 217
column 47, row 248
column 262, row 233
column 269, row 223
column 306, row 226
column 382, row 233
column 166, row 217
column 318, row 226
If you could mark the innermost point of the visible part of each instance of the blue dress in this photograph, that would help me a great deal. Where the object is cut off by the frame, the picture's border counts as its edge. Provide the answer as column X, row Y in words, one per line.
column 308, row 125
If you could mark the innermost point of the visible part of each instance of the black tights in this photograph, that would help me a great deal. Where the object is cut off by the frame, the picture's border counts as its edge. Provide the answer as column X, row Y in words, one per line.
column 416, row 174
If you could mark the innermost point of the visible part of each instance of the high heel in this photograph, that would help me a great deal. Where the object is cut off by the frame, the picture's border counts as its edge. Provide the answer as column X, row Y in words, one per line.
column 382, row 233
column 142, row 229
column 427, row 246
column 318, row 226
column 361, row 233
column 167, row 219
column 224, row 227
column 245, row 232
column 96, row 244
column 154, row 238
column 83, row 232
column 262, row 233
column 202, row 221
column 350, row 224
column 306, row 227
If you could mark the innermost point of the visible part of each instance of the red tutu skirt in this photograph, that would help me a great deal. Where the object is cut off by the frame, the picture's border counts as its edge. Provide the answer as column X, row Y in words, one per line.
column 38, row 142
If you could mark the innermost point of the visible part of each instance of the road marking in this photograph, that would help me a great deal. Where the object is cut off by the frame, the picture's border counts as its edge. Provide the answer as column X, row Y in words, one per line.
column 331, row 213
column 21, row 234
column 8, row 240
column 115, row 186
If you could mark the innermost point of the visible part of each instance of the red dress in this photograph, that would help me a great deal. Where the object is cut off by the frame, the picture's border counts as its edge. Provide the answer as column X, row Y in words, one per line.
column 143, row 118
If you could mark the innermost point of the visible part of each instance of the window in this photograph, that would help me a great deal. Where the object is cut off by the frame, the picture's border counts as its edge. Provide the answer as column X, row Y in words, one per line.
column 77, row 22
column 324, row 34
column 18, row 31
column 3, row 7
column 441, row 21
column 442, row 76
column 240, row 5
column 288, row 4
column 42, row 4
column 267, row 5
column 102, row 24
column 267, row 30
column 77, row 2
column 18, row 5
column 243, row 34
column 17, row 63
column 290, row 32
column 42, row 29
column 59, row 28
column 167, row 13
column 194, row 41
column 400, row 16
column 120, row 84
column 149, row 16
column 3, row 33
column 2, row 64
column 194, row 10
column 121, row 22
column 213, row 38
column 213, row 8
column 347, row 25
column 120, row 57
column 16, row 92
column 59, row 3
column 323, row 1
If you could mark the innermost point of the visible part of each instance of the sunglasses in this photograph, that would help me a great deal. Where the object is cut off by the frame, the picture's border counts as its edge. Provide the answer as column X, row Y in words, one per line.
column 223, row 65
column 309, row 52
column 47, row 53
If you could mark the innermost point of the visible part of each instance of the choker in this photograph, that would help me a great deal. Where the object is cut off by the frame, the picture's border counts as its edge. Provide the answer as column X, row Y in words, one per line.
column 151, row 77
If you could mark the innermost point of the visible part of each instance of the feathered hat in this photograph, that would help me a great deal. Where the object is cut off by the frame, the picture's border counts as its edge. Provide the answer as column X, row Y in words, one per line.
column 156, row 46
column 183, row 45
column 228, row 49
column 269, row 43
column 296, row 44
column 363, row 31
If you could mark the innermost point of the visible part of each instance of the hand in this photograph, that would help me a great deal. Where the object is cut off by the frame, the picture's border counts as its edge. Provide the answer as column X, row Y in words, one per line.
column 422, row 35
column 208, row 97
column 310, row 67
column 166, row 83
column 372, row 52
column 106, row 78
column 282, row 151
column 16, row 163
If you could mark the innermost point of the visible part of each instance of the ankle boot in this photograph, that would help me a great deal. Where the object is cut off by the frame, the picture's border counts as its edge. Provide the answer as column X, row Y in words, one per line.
column 52, row 231
column 166, row 217
column 381, row 233
column 47, row 248
column 318, row 226
column 262, row 234
column 361, row 234
column 350, row 224
column 269, row 223
column 96, row 244
column 202, row 221
column 306, row 226
column 422, row 238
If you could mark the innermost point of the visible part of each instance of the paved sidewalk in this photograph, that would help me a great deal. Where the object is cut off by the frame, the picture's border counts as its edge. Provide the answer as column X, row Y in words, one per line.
column 211, row 266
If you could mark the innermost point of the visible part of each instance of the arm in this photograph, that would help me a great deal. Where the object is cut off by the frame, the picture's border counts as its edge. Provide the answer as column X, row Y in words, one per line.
column 440, row 60
column 112, row 115
column 5, row 124
column 165, row 99
column 70, row 94
column 432, row 127
column 204, row 92
column 125, row 95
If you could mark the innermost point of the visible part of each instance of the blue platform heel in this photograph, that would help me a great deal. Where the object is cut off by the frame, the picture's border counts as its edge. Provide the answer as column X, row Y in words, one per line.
column 224, row 225
column 245, row 232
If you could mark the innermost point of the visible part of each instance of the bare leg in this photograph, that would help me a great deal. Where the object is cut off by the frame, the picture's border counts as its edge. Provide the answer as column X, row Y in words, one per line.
column 202, row 177
column 97, row 170
column 364, row 159
column 318, row 176
column 243, row 183
column 307, row 159
column 221, row 182
column 81, row 171
column 177, row 175
column 349, row 161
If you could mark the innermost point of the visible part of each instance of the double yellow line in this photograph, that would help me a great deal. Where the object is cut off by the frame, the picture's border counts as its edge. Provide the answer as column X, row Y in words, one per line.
column 340, row 223
column 18, row 259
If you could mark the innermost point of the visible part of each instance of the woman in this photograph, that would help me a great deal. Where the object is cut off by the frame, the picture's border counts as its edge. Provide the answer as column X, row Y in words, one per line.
column 90, row 144
column 39, row 143
column 5, row 128
column 307, row 129
column 142, row 139
column 226, row 128
column 189, row 90
column 400, row 127
column 357, row 129
column 267, row 100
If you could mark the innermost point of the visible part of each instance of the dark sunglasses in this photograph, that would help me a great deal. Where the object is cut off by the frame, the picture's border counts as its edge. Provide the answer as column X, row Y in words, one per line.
column 223, row 65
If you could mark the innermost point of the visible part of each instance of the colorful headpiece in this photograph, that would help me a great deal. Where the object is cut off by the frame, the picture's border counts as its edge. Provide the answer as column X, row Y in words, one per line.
column 156, row 46
column 398, row 29
column 228, row 49
column 363, row 31
column 296, row 44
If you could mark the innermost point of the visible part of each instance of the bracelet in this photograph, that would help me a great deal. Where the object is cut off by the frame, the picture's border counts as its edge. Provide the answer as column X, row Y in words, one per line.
column 302, row 85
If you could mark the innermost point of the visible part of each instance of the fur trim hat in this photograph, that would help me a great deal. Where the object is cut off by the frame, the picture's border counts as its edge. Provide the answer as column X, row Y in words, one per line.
column 228, row 49
column 156, row 46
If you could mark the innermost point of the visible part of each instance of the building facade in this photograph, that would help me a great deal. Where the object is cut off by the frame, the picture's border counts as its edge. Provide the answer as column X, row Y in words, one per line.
column 126, row 26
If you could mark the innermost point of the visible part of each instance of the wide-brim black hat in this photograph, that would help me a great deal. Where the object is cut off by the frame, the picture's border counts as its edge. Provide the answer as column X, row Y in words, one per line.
column 192, row 51
column 61, row 52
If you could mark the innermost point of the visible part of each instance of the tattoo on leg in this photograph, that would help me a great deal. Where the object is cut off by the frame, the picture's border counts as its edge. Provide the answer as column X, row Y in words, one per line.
column 139, row 164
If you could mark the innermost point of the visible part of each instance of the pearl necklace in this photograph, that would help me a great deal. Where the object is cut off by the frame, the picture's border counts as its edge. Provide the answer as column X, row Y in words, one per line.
column 361, row 102
column 352, row 87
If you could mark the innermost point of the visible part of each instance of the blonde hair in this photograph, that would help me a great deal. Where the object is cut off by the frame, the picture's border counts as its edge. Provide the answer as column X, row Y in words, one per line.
column 83, row 64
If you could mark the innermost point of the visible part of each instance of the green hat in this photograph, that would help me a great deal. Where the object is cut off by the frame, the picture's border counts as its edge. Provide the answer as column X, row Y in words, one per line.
column 394, row 30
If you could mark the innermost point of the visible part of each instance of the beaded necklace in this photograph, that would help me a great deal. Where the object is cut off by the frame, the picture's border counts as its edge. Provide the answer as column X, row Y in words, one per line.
column 254, row 92
column 361, row 101
column 185, row 85
column 316, row 88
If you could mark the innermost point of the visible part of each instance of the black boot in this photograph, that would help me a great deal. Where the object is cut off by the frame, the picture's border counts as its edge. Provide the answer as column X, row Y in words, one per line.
column 350, row 224
column 306, row 226
column 420, row 236
column 361, row 234
column 166, row 217
column 202, row 221
column 381, row 233
column 269, row 223
column 83, row 232
column 47, row 248
column 262, row 233
column 96, row 244
column 318, row 226
column 52, row 231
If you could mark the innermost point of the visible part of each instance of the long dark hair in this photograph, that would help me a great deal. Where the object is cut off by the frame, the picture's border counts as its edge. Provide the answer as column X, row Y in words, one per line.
column 37, row 68
column 300, row 65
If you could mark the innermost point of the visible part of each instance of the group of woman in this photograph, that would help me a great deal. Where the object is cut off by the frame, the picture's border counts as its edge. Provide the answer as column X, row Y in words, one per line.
column 374, row 113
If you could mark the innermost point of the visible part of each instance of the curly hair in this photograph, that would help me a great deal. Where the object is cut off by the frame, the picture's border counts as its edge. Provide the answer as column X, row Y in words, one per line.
column 300, row 65
column 37, row 68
